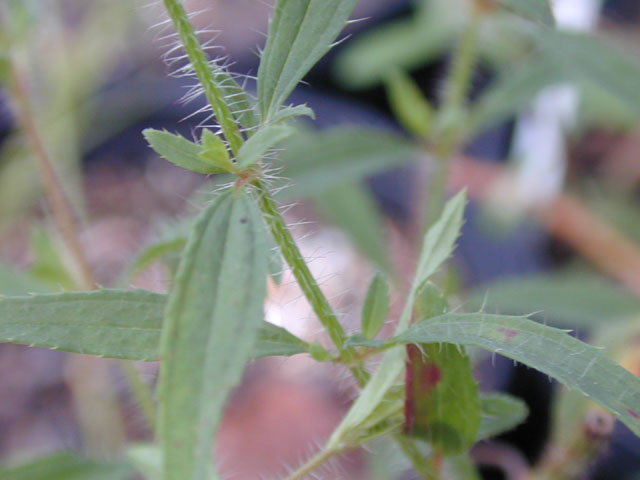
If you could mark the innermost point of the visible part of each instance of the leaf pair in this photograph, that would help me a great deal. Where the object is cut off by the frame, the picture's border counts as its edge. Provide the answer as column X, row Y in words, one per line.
column 212, row 156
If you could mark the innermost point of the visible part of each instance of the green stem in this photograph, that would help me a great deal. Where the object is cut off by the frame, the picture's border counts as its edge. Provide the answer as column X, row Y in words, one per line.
column 206, row 76
column 451, row 115
column 459, row 81
column 305, row 279
column 141, row 392
column 312, row 464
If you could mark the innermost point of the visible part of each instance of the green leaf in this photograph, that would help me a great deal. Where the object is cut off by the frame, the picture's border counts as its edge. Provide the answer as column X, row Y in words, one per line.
column 214, row 151
column 180, row 151
column 376, row 306
column 274, row 341
column 513, row 91
column 13, row 282
column 300, row 33
column 566, row 299
column 441, row 400
column 317, row 162
column 157, row 251
column 460, row 467
column 352, row 208
column 441, row 403
column 108, row 323
column 47, row 265
column 437, row 246
column 549, row 350
column 211, row 324
column 537, row 10
column 147, row 458
column 264, row 139
column 500, row 413
column 440, row 240
column 286, row 113
column 401, row 45
column 238, row 101
column 409, row 104
column 586, row 59
column 67, row 466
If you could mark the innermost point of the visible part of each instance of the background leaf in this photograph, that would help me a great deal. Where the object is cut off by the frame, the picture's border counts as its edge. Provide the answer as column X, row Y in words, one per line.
column 68, row 466
column 515, row 88
column 500, row 413
column 408, row 103
column 211, row 324
column 587, row 59
column 536, row 10
column 403, row 45
column 300, row 33
column 567, row 299
column 13, row 282
column 47, row 264
column 316, row 162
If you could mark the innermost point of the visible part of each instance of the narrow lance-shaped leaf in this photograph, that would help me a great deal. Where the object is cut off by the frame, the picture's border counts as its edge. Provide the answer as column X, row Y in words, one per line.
column 180, row 151
column 376, row 306
column 214, row 151
column 409, row 104
column 587, row 59
column 300, row 33
column 287, row 113
column 107, row 323
column 500, row 413
column 441, row 401
column 512, row 92
column 110, row 323
column 264, row 139
column 316, row 162
column 438, row 245
column 211, row 323
column 552, row 351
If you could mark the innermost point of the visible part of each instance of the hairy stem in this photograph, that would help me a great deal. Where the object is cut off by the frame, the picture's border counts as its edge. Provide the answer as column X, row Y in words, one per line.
column 268, row 206
column 206, row 76
column 311, row 465
column 305, row 279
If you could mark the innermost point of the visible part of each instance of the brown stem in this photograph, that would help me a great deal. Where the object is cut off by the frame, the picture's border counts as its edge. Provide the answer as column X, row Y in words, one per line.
column 60, row 206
